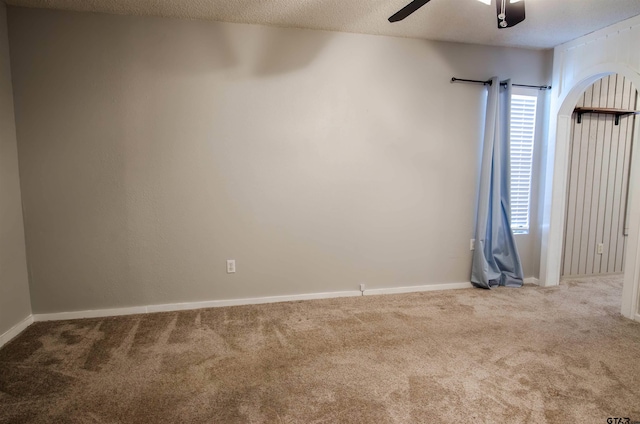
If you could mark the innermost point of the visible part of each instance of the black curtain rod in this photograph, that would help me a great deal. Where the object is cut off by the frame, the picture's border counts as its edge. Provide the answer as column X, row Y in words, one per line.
column 488, row 82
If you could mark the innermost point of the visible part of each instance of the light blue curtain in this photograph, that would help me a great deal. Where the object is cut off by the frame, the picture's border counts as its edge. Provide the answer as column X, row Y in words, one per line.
column 495, row 259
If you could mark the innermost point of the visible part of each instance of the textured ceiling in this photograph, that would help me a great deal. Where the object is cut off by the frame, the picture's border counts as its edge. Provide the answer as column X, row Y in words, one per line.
column 548, row 23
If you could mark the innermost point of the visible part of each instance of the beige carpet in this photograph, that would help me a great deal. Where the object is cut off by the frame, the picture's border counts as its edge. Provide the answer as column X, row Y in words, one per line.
column 559, row 355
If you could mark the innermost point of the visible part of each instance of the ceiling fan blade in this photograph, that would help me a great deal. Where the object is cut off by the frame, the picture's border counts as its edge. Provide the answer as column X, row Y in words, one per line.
column 408, row 10
column 513, row 13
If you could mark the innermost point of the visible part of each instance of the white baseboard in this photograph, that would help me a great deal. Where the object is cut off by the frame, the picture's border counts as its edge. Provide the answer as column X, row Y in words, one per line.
column 96, row 313
column 15, row 330
column 638, row 317
column 251, row 301
column 99, row 313
column 532, row 280
column 411, row 289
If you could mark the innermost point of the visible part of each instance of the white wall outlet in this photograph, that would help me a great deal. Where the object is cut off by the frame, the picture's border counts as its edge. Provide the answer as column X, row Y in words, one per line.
column 472, row 244
column 362, row 287
column 600, row 248
column 231, row 266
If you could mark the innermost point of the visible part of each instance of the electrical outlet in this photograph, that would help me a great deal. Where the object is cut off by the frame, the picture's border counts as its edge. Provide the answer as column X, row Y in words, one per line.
column 361, row 287
column 600, row 248
column 472, row 244
column 231, row 266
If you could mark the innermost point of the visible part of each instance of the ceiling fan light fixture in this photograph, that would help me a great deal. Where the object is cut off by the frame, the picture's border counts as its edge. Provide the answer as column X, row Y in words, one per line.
column 513, row 10
column 488, row 2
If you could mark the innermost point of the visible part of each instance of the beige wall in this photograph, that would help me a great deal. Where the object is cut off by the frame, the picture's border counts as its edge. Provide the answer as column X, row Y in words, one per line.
column 14, row 285
column 151, row 150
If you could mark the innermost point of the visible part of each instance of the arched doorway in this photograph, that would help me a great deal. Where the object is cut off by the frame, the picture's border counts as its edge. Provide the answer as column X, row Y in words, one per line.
column 558, row 161
column 597, row 202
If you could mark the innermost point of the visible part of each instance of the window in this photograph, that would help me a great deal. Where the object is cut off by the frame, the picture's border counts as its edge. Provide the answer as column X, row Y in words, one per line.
column 523, row 126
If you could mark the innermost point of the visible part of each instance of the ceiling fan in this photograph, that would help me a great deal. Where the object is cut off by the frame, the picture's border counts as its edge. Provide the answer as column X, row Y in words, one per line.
column 510, row 12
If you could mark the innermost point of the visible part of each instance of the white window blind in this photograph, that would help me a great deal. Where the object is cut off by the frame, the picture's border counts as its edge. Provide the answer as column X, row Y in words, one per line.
column 523, row 124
